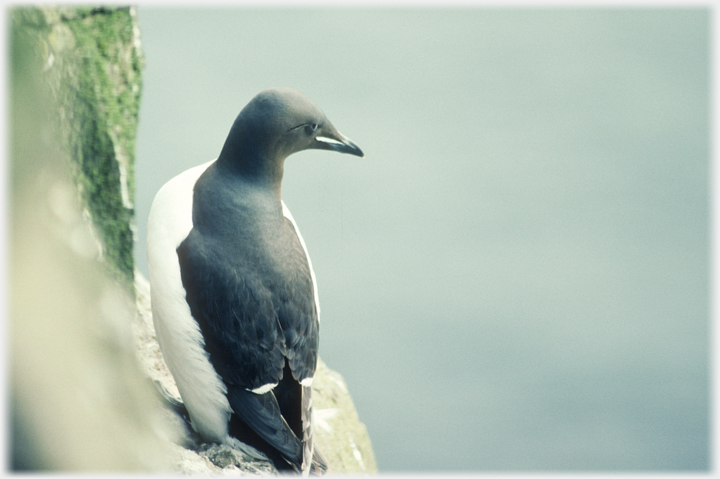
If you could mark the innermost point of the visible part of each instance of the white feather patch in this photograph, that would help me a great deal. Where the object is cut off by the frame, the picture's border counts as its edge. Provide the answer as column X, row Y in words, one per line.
column 264, row 388
column 181, row 341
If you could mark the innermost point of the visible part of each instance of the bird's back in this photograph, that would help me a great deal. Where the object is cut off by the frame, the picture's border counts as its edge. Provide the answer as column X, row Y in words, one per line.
column 243, row 245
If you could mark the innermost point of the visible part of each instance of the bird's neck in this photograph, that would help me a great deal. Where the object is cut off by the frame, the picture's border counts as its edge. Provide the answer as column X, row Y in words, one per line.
column 253, row 167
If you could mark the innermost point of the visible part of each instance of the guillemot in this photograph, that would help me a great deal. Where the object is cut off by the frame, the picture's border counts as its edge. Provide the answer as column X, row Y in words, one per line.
column 234, row 296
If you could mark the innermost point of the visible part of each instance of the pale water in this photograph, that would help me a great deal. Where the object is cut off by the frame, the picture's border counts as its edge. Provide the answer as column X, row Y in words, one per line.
column 516, row 277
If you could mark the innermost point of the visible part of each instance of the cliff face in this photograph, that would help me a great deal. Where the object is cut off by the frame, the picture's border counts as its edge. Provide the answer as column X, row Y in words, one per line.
column 91, row 64
column 78, row 400
column 82, row 341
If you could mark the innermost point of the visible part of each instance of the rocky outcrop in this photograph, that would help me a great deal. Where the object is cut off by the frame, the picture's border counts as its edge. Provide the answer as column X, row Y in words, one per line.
column 78, row 399
column 82, row 341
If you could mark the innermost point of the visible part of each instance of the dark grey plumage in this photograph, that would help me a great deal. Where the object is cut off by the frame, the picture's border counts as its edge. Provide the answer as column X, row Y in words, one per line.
column 248, row 280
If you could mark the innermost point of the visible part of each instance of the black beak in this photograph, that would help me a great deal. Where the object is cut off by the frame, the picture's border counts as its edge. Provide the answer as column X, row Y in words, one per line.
column 337, row 142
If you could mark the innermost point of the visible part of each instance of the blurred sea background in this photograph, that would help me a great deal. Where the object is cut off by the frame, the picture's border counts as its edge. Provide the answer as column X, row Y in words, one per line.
column 516, row 276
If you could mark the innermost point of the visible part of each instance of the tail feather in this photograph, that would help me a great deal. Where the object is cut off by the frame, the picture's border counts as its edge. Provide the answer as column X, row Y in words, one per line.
column 262, row 414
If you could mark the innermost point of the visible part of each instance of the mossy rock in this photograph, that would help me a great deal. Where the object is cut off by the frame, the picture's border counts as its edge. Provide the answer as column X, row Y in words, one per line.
column 91, row 62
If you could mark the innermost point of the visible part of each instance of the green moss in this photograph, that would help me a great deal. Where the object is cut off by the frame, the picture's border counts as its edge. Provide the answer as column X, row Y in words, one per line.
column 104, row 112
column 93, row 66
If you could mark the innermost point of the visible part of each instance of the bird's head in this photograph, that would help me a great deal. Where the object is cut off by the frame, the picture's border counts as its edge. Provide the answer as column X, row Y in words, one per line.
column 279, row 122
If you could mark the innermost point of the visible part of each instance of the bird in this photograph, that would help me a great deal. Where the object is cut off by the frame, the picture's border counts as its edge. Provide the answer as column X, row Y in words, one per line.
column 233, row 293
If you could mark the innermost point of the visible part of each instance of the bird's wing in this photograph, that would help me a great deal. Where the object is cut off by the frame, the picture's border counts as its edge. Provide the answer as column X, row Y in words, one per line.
column 248, row 338
column 236, row 315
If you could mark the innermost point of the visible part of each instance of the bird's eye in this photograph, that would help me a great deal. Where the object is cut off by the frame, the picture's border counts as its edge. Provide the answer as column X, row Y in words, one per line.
column 310, row 128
